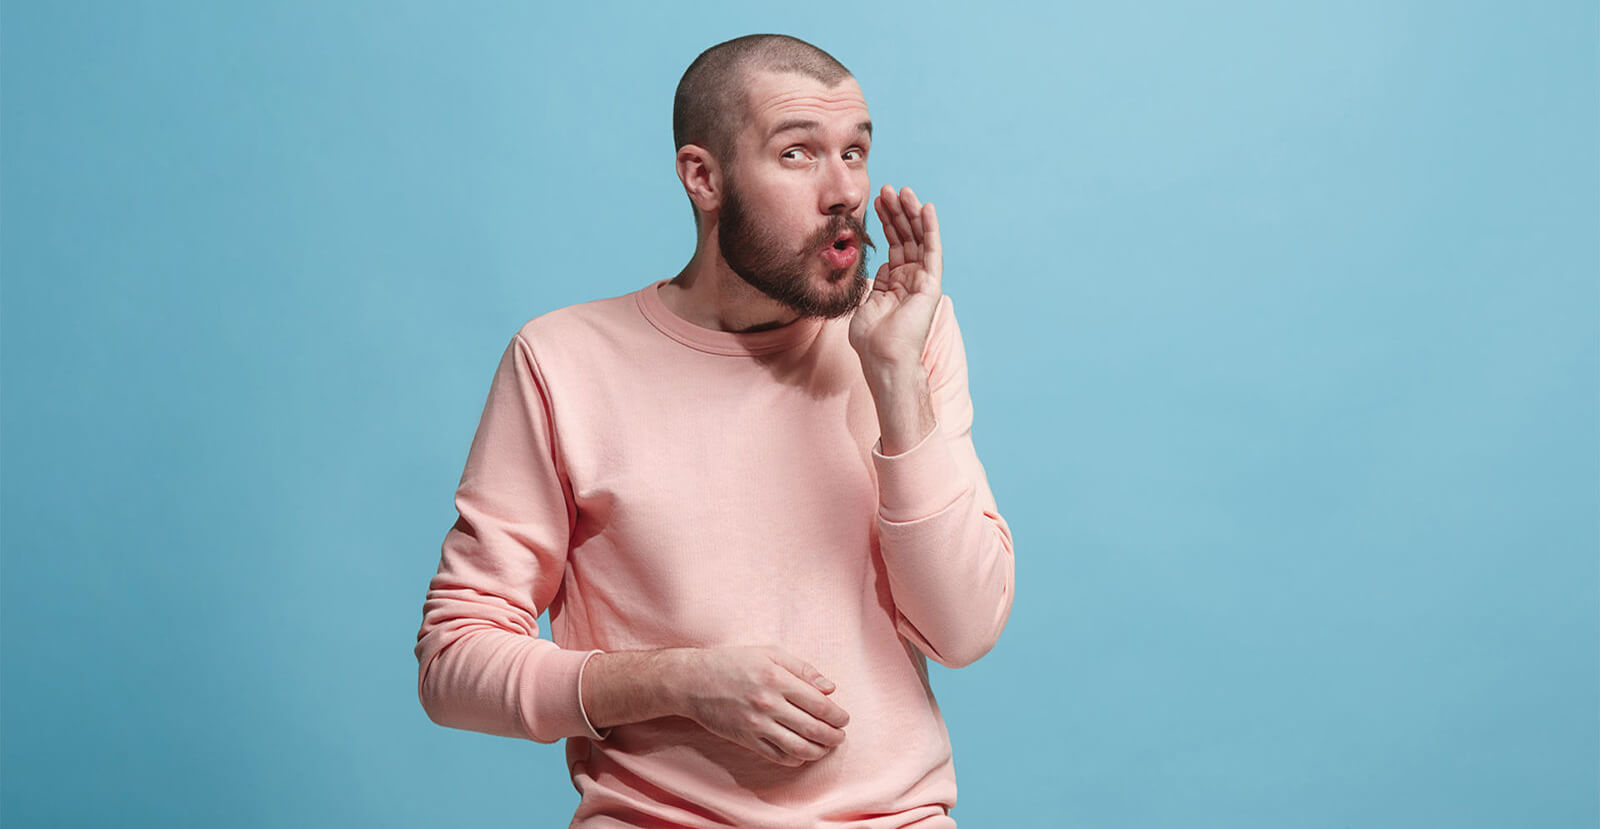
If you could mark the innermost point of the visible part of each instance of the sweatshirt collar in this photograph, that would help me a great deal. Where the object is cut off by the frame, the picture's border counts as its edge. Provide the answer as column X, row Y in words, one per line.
column 713, row 341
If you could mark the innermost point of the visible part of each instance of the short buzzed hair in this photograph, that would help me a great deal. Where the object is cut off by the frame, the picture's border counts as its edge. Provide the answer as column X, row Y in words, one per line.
column 711, row 103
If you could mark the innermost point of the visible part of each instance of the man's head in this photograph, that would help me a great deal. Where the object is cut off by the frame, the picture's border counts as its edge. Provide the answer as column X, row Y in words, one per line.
column 772, row 136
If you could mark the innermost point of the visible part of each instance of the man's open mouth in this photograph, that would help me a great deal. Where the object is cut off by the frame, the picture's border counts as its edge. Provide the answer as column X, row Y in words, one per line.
column 842, row 254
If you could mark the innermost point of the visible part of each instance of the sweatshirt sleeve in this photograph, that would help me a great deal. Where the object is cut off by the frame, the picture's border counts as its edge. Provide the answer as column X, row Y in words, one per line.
column 947, row 550
column 481, row 665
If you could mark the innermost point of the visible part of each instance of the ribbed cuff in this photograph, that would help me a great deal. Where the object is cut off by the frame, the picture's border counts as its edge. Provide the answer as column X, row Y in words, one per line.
column 919, row 481
column 593, row 734
column 553, row 709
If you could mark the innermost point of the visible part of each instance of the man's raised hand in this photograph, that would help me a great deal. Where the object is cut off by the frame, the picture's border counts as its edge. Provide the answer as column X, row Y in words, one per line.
column 891, row 325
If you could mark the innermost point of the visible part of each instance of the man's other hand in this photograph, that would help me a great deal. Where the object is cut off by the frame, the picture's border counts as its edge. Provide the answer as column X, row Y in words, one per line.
column 764, row 699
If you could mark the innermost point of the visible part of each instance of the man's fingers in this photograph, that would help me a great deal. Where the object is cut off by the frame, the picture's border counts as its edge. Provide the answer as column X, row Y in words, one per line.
column 894, row 205
column 812, row 677
column 814, row 729
column 930, row 233
column 772, row 751
column 897, row 251
column 797, row 749
column 805, row 693
column 800, row 737
column 888, row 224
column 913, row 211
column 815, row 705
column 879, row 205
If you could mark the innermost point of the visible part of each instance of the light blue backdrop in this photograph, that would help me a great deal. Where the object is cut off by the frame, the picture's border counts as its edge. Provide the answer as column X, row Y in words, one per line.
column 1282, row 321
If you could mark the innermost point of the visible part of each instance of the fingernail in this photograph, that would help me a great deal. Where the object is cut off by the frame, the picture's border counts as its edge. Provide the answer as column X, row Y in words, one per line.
column 822, row 682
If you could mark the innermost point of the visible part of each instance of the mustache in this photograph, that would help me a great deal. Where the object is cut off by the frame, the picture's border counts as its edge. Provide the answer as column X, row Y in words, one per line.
column 841, row 222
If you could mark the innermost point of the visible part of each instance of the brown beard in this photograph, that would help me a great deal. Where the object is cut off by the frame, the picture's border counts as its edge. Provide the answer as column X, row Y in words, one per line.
column 761, row 260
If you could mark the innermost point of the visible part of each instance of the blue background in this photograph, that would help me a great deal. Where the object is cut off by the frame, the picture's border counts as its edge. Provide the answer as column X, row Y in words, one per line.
column 1282, row 322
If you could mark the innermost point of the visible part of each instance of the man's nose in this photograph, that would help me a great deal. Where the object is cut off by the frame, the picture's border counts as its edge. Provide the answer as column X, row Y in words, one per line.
column 842, row 189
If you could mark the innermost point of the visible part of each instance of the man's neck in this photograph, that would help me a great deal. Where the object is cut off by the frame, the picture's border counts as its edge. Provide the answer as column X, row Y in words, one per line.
column 709, row 294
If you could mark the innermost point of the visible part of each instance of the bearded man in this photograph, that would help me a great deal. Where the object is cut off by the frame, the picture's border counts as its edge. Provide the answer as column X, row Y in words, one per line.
column 747, row 495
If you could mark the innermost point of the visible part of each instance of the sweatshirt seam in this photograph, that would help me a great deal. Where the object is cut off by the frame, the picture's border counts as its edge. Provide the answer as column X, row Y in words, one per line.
column 557, row 453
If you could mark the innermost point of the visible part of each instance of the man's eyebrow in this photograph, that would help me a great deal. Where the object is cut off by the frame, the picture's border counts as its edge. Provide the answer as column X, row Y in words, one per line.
column 806, row 124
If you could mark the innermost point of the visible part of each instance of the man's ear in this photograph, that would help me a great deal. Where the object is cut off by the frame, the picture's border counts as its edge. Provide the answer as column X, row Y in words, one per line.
column 701, row 177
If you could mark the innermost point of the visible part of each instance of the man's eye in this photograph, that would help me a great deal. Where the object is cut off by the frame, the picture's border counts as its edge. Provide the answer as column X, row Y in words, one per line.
column 788, row 153
column 856, row 153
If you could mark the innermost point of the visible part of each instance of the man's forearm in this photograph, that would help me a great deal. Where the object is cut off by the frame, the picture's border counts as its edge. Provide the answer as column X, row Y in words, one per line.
column 632, row 686
column 905, row 410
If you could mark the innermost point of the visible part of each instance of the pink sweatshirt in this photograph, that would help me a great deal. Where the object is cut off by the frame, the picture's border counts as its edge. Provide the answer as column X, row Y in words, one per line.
column 657, row 484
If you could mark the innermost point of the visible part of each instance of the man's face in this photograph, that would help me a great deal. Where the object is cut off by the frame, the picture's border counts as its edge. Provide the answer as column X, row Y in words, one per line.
column 793, row 219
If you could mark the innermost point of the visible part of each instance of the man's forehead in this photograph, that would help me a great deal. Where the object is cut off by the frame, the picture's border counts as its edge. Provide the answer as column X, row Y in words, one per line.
column 777, row 98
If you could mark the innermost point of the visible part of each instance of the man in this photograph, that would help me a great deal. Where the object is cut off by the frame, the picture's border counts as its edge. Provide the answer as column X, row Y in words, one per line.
column 747, row 495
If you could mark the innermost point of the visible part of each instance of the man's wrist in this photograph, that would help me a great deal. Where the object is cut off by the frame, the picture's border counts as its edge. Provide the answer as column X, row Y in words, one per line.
column 676, row 673
column 885, row 374
column 623, row 687
column 901, row 398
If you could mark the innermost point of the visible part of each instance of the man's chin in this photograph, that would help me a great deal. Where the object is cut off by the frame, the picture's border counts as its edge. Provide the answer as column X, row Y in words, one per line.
column 828, row 293
column 847, row 283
